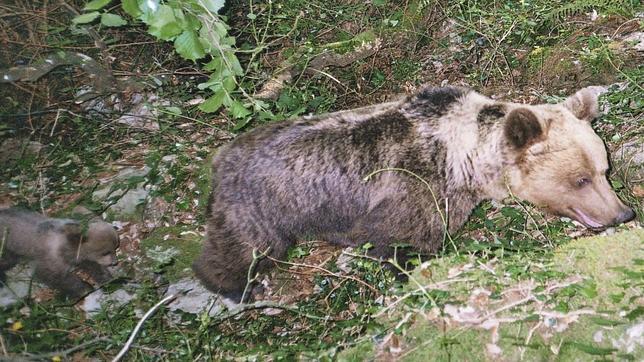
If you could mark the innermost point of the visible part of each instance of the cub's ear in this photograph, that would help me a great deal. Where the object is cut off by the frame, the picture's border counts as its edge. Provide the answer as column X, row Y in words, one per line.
column 73, row 230
column 522, row 128
column 583, row 104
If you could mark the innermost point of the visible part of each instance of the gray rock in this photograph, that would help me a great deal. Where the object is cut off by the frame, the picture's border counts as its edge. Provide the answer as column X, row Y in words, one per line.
column 14, row 149
column 636, row 40
column 128, row 201
column 193, row 298
column 98, row 300
column 630, row 157
column 631, row 152
column 344, row 261
column 16, row 286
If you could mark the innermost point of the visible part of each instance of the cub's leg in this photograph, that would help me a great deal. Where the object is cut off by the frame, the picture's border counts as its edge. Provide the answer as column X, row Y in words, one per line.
column 60, row 277
column 7, row 261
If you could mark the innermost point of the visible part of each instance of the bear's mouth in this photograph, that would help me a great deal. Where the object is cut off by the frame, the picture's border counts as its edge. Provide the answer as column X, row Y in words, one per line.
column 586, row 220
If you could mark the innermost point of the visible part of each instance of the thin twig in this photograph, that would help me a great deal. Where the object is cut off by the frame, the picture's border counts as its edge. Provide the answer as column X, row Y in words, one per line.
column 433, row 286
column 250, row 278
column 327, row 271
column 138, row 326
column 241, row 308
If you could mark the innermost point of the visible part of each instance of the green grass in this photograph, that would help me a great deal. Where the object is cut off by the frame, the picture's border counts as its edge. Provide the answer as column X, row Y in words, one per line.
column 492, row 46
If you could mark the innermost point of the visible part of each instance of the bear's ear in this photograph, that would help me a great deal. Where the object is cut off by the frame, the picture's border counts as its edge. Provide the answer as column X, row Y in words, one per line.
column 583, row 104
column 522, row 128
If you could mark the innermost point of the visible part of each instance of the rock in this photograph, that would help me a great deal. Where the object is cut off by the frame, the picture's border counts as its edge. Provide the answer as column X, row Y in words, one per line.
column 194, row 298
column 631, row 156
column 98, row 300
column 635, row 40
column 632, row 339
column 139, row 111
column 14, row 149
column 17, row 284
column 143, row 111
column 344, row 261
column 632, row 152
column 128, row 200
column 155, row 210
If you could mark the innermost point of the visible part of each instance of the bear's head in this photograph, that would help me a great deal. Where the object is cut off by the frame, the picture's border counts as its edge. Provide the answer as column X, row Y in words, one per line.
column 560, row 163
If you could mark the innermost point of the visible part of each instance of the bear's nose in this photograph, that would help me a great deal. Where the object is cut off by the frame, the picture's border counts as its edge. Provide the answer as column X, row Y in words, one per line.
column 627, row 215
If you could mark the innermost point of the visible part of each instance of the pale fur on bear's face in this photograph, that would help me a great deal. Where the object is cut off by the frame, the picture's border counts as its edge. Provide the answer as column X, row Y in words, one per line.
column 564, row 168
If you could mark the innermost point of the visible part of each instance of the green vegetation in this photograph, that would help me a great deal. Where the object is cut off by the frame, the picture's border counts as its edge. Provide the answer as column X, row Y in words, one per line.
column 198, row 73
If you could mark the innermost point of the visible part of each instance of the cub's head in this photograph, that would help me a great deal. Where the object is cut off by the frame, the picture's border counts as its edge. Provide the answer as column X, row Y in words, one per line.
column 101, row 244
column 559, row 163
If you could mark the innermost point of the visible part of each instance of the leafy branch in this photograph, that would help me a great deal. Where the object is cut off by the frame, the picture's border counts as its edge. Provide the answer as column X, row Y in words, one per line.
column 198, row 33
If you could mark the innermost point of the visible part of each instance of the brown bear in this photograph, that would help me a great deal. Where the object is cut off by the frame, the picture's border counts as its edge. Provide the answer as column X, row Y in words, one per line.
column 306, row 177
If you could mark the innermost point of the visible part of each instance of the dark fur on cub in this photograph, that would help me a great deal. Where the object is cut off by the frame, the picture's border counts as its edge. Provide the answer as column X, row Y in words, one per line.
column 56, row 247
column 305, row 177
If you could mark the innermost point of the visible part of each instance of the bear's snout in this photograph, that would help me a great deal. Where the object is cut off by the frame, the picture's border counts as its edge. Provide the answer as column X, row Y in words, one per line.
column 625, row 216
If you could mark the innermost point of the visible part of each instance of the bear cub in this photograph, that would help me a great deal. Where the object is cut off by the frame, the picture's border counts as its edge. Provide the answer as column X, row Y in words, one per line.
column 56, row 247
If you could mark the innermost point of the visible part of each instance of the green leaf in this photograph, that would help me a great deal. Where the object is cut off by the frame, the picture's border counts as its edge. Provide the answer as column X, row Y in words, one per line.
column 148, row 7
column 112, row 20
column 635, row 313
column 234, row 63
column 229, row 83
column 86, row 18
column 173, row 110
column 237, row 110
column 96, row 4
column 617, row 297
column 605, row 321
column 596, row 351
column 213, row 103
column 131, row 7
column 216, row 63
column 163, row 24
column 212, row 5
column 188, row 46
column 188, row 21
column 588, row 289
column 242, row 123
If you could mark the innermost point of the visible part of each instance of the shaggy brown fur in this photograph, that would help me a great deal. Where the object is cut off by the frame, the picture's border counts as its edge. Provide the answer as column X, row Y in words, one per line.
column 56, row 247
column 304, row 177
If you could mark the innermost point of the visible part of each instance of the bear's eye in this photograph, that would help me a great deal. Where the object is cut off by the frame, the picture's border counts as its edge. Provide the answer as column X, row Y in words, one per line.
column 583, row 181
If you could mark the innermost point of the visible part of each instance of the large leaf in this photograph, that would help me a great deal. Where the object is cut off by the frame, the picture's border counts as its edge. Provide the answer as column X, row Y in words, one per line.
column 131, row 7
column 188, row 46
column 215, row 102
column 163, row 24
column 148, row 7
column 96, row 5
column 187, row 21
column 108, row 19
column 237, row 110
column 212, row 5
column 234, row 63
column 86, row 18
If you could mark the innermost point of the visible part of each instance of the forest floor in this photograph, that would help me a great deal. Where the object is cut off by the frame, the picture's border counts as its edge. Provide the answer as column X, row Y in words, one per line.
column 515, row 283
